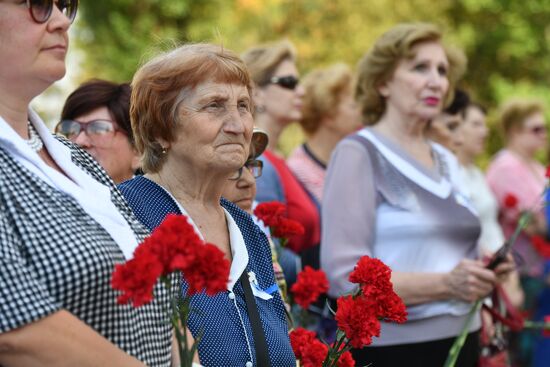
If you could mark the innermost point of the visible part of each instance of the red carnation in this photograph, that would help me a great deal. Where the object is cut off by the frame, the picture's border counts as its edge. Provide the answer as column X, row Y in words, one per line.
column 313, row 354
column 310, row 284
column 391, row 308
column 209, row 271
column 173, row 243
column 357, row 319
column 136, row 279
column 546, row 329
column 547, row 174
column 541, row 245
column 510, row 201
column 273, row 214
column 299, row 338
column 270, row 212
column 287, row 228
column 346, row 360
column 373, row 276
column 172, row 246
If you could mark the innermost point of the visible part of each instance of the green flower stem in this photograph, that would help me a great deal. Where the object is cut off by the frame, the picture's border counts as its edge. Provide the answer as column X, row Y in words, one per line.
column 523, row 221
column 459, row 341
column 180, row 309
column 339, row 353
column 536, row 325
column 335, row 352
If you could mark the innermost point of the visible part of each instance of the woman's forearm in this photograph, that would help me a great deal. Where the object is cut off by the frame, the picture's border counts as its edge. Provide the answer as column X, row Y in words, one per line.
column 416, row 288
column 468, row 281
column 60, row 340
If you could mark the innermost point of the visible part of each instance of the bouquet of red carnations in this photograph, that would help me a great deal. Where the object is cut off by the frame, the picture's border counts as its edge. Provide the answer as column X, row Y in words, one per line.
column 273, row 215
column 173, row 248
column 358, row 315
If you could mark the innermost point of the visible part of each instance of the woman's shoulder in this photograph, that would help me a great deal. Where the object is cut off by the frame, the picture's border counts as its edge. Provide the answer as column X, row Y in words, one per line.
column 355, row 144
column 149, row 202
column 86, row 162
column 505, row 160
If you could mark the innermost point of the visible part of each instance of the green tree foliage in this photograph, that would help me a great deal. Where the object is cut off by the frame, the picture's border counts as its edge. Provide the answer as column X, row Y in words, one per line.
column 506, row 41
column 117, row 34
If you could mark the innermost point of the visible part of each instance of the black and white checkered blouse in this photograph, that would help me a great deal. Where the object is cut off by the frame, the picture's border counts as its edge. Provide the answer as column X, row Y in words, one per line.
column 54, row 256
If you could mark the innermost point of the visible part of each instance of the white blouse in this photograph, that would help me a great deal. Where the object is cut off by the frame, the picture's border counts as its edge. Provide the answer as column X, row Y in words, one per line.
column 483, row 200
column 94, row 197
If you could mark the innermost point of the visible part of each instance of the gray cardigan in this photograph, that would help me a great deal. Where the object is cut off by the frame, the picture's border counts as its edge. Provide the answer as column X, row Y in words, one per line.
column 380, row 202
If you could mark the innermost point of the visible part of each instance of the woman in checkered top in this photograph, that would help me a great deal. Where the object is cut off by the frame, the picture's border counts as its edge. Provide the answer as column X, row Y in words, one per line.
column 63, row 224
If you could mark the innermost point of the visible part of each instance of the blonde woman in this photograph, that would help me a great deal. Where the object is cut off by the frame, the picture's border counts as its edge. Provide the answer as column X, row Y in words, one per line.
column 392, row 194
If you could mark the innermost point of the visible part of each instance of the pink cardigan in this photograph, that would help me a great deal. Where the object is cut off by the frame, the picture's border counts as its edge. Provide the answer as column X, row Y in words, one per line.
column 510, row 174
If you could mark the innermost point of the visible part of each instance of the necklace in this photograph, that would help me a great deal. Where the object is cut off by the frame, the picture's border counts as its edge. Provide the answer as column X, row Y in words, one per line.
column 34, row 142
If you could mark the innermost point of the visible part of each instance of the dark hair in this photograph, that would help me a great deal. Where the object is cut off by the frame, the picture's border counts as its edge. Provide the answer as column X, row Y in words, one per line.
column 460, row 103
column 97, row 93
column 479, row 106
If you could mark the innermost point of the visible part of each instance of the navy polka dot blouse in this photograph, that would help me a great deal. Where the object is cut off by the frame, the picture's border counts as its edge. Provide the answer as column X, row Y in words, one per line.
column 223, row 319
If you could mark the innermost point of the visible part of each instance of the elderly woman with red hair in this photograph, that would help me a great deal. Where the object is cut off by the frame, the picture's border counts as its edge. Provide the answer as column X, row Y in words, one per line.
column 191, row 112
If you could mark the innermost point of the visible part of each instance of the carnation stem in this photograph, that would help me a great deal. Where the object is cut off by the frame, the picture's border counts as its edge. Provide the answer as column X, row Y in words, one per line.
column 536, row 325
column 334, row 351
column 459, row 341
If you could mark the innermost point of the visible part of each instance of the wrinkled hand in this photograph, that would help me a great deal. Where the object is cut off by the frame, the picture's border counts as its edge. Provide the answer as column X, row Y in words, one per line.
column 504, row 269
column 470, row 280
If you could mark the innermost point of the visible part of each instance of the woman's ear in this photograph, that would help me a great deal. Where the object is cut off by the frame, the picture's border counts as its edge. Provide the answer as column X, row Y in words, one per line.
column 163, row 144
column 259, row 97
column 136, row 160
column 383, row 90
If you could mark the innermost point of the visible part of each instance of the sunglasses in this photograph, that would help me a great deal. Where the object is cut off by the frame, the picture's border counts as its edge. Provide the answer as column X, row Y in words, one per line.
column 96, row 128
column 538, row 130
column 41, row 10
column 255, row 167
column 287, row 82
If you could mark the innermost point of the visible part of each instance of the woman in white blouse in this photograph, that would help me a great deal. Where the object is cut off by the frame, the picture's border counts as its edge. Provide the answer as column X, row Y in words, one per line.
column 63, row 224
column 474, row 132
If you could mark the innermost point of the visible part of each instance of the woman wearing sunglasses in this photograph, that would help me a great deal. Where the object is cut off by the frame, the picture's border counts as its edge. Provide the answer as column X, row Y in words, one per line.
column 515, row 171
column 63, row 224
column 240, row 189
column 278, row 99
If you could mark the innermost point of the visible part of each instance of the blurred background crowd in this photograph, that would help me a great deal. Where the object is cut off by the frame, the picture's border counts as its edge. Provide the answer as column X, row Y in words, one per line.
column 453, row 152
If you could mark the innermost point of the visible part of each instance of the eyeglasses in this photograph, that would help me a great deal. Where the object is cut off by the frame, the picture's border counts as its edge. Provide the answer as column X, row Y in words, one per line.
column 538, row 130
column 253, row 165
column 287, row 82
column 96, row 128
column 41, row 10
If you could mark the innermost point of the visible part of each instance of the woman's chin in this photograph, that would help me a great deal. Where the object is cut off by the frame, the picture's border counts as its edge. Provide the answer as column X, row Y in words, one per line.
column 55, row 74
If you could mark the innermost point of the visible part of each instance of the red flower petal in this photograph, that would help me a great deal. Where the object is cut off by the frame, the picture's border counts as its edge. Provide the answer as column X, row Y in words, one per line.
column 546, row 331
column 309, row 285
column 541, row 245
column 173, row 246
column 510, row 201
column 356, row 317
column 270, row 212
